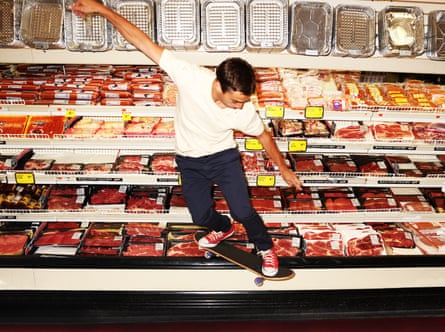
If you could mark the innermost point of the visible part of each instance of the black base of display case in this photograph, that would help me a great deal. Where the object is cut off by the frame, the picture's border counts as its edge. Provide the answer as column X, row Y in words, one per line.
column 84, row 307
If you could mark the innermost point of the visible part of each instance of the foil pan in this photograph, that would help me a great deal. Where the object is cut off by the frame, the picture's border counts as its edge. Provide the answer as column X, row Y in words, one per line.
column 310, row 28
column 401, row 31
column 141, row 14
column 267, row 25
column 10, row 12
column 91, row 33
column 178, row 24
column 354, row 31
column 42, row 23
column 436, row 32
column 222, row 25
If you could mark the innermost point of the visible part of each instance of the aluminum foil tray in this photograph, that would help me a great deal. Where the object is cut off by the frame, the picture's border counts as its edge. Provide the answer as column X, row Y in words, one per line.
column 354, row 31
column 401, row 31
column 42, row 23
column 140, row 13
column 178, row 24
column 222, row 25
column 310, row 28
column 10, row 17
column 436, row 32
column 267, row 25
column 92, row 33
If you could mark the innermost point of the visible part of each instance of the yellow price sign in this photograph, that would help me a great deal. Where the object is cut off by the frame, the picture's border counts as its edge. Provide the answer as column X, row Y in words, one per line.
column 297, row 145
column 275, row 111
column 314, row 112
column 24, row 178
column 70, row 113
column 126, row 116
column 252, row 144
column 265, row 181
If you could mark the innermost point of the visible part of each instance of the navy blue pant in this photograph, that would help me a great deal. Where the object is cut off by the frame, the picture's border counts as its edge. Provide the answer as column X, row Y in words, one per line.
column 224, row 169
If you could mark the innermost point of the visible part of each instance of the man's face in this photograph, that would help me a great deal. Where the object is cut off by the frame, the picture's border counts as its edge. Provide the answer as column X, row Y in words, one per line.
column 234, row 99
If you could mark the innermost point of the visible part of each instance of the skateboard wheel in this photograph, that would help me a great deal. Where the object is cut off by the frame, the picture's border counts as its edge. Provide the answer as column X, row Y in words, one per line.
column 259, row 281
column 208, row 255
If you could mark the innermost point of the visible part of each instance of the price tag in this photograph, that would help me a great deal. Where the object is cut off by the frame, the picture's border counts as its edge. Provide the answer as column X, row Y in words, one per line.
column 265, row 180
column 297, row 145
column 275, row 111
column 24, row 178
column 252, row 144
column 70, row 113
column 126, row 116
column 314, row 112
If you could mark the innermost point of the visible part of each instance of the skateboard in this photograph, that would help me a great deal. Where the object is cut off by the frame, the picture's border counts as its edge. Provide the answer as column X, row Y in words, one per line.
column 245, row 260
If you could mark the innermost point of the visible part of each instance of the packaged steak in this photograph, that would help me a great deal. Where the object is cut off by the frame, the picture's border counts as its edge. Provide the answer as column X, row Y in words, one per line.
column 132, row 163
column 307, row 163
column 108, row 195
column 163, row 163
column 38, row 164
column 323, row 248
column 372, row 164
column 146, row 249
column 288, row 245
column 147, row 199
column 184, row 249
column 290, row 127
column 316, row 128
column 144, row 229
column 340, row 163
column 350, row 130
column 392, row 131
column 13, row 243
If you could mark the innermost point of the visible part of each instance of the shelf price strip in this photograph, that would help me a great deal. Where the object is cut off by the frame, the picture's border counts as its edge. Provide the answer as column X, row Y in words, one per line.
column 299, row 145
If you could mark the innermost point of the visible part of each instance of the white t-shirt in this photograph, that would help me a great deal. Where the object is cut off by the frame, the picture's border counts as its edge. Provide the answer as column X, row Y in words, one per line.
column 202, row 127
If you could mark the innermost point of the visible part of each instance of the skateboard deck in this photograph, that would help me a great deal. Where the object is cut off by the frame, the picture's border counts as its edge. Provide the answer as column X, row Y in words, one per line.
column 245, row 260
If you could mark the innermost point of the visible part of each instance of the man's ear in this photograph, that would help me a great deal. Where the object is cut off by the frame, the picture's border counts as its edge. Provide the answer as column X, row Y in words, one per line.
column 218, row 87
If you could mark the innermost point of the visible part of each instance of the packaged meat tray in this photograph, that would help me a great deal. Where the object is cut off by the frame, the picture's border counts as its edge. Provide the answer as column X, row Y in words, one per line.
column 404, row 166
column 323, row 248
column 107, row 197
column 42, row 23
column 316, row 128
column 178, row 24
column 147, row 199
column 361, row 240
column 288, row 245
column 429, row 237
column 290, row 127
column 376, row 198
column 223, row 28
column 10, row 13
column 144, row 229
column 89, row 33
column 429, row 131
column 45, row 125
column 392, row 131
column 141, row 13
column 267, row 25
column 310, row 28
column 396, row 237
column 147, row 249
column 23, row 197
column 401, row 31
column 350, row 130
column 412, row 200
column 132, row 164
column 163, row 163
column 372, row 164
column 13, row 243
column 354, row 31
column 307, row 163
column 12, row 124
column 340, row 163
column 436, row 35
column 184, row 249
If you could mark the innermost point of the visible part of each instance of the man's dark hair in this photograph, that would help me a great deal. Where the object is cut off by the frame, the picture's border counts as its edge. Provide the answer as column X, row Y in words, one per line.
column 236, row 74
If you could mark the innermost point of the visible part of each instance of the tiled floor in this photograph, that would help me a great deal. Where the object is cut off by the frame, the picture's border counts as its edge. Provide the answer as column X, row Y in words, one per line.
column 433, row 324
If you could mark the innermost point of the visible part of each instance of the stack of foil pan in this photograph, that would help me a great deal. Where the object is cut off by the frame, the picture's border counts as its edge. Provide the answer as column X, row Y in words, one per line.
column 401, row 31
column 10, row 12
column 436, row 32
column 354, row 31
column 140, row 13
column 310, row 28
column 42, row 23
column 267, row 25
column 91, row 33
column 223, row 26
column 178, row 24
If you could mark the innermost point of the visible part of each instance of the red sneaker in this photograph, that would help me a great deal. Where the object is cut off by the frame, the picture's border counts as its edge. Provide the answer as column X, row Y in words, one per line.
column 213, row 238
column 270, row 262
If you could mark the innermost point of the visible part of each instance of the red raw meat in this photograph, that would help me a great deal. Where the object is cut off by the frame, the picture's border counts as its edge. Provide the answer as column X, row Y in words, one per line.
column 324, row 248
column 56, row 202
column 12, row 244
column 185, row 249
column 144, row 249
column 59, row 237
column 144, row 204
column 143, row 229
column 397, row 238
column 163, row 163
column 108, row 196
column 285, row 247
column 367, row 245
column 339, row 204
column 352, row 132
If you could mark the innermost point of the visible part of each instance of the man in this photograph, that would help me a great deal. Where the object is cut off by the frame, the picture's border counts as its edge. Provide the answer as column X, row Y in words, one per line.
column 209, row 108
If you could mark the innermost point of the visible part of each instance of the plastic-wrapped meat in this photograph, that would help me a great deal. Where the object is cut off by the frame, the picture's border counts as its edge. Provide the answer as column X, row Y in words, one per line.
column 38, row 164
column 303, row 205
column 371, row 164
column 365, row 245
column 322, row 248
column 12, row 124
column 340, row 164
column 103, row 240
column 57, row 202
column 72, row 167
column 144, row 249
column 315, row 128
column 250, row 161
column 163, row 163
column 351, row 131
column 97, row 168
column 287, row 246
column 99, row 251
column 308, row 163
column 132, row 163
column 144, row 204
column 266, row 204
column 59, row 237
column 108, row 195
column 165, row 127
column 397, row 237
column 12, row 244
column 184, row 249
column 289, row 127
column 143, row 229
column 392, row 131
column 340, row 204
column 429, row 131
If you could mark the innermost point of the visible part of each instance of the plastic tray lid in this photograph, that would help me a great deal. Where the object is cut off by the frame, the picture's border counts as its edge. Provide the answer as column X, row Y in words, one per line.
column 436, row 35
column 223, row 25
column 267, row 25
column 140, row 13
column 401, row 31
column 10, row 13
column 354, row 31
column 91, row 33
column 310, row 28
column 42, row 23
column 178, row 23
